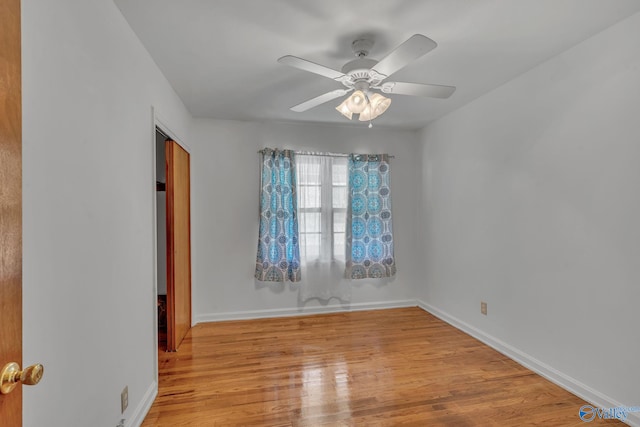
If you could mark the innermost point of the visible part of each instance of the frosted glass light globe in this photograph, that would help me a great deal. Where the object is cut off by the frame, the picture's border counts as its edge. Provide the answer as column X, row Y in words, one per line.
column 344, row 110
column 357, row 102
column 378, row 104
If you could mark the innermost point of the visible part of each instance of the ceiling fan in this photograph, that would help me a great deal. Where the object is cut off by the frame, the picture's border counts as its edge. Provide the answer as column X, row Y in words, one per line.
column 366, row 78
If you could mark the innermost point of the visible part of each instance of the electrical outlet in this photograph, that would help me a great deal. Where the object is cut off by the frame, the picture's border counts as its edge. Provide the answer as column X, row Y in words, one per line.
column 483, row 307
column 124, row 399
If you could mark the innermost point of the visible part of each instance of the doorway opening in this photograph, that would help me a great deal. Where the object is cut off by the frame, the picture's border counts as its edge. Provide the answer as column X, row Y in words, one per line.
column 161, row 233
column 173, row 237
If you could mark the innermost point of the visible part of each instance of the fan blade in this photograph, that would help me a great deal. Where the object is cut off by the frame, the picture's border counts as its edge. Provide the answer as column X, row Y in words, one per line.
column 312, row 67
column 412, row 49
column 314, row 102
column 418, row 89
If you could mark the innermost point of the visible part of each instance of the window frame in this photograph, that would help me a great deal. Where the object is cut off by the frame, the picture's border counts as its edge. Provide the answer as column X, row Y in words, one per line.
column 325, row 185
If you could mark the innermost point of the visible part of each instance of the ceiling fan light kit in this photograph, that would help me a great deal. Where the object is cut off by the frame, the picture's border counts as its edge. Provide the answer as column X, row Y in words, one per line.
column 365, row 76
column 377, row 105
column 368, row 107
column 344, row 110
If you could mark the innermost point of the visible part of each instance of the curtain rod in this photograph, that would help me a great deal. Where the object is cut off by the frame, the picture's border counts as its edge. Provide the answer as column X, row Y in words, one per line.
column 326, row 154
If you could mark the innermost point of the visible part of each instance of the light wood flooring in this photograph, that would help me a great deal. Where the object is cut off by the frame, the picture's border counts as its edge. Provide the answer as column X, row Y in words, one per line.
column 398, row 367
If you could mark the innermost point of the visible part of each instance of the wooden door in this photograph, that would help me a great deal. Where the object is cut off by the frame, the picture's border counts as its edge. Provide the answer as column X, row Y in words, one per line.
column 178, row 244
column 10, row 205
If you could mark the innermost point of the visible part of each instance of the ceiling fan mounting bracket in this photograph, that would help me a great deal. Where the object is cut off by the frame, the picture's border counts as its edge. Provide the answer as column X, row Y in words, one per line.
column 362, row 47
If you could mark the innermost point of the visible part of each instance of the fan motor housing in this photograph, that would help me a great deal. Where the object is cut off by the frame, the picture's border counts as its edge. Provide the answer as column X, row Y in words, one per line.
column 359, row 68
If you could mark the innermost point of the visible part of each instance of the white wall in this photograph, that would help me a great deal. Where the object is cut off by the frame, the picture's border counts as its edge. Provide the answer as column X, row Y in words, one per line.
column 225, row 181
column 88, row 89
column 531, row 203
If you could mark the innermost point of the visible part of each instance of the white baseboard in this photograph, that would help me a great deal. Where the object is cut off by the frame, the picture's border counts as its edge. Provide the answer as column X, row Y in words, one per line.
column 301, row 311
column 142, row 409
column 568, row 383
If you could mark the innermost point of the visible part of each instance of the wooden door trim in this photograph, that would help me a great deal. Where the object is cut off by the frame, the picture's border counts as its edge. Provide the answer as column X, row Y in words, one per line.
column 10, row 203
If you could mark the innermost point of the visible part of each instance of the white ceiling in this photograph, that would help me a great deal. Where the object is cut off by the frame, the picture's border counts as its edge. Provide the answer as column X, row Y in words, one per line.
column 220, row 55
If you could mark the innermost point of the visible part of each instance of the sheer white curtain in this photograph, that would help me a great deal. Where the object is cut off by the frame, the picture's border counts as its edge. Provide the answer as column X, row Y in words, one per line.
column 322, row 206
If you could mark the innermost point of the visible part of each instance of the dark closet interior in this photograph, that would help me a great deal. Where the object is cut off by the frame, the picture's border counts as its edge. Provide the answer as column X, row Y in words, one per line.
column 161, row 216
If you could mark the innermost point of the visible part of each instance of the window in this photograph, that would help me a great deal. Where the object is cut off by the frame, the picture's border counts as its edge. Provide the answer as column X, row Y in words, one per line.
column 322, row 208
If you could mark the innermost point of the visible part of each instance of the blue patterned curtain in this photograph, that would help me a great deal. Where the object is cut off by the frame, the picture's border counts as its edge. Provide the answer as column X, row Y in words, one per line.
column 369, row 231
column 278, row 256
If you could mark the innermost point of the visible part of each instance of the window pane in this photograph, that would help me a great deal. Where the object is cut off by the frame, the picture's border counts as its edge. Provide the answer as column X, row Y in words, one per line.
column 339, row 171
column 309, row 222
column 338, row 246
column 322, row 180
column 340, row 197
column 308, row 170
column 309, row 246
column 339, row 222
column 309, row 196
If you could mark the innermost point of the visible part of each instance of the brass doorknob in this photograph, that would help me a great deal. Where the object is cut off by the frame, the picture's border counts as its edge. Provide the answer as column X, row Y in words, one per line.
column 11, row 375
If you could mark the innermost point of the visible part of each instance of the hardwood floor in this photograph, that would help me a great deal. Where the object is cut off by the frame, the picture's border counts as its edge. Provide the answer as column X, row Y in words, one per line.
column 399, row 367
